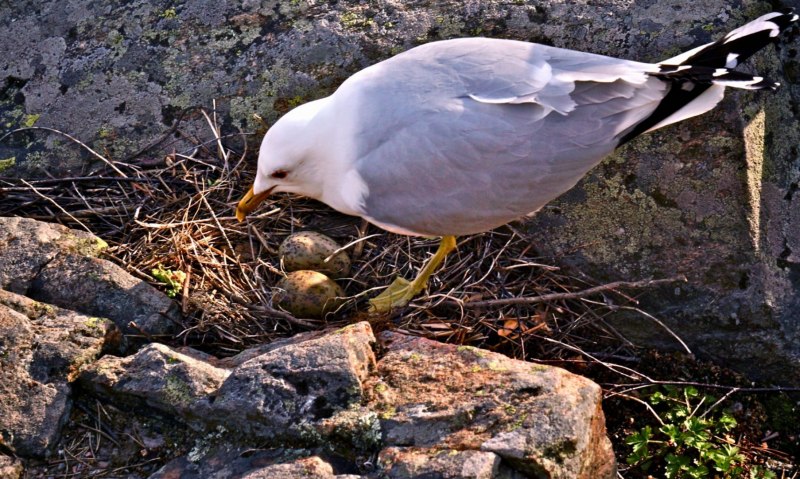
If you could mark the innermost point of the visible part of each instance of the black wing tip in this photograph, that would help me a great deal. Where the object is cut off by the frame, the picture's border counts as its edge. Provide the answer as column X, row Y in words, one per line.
column 786, row 18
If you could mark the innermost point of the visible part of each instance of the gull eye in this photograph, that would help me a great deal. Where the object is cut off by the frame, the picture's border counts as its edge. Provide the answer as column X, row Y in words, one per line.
column 279, row 174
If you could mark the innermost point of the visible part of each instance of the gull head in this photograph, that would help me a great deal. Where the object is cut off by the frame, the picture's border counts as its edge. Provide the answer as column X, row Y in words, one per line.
column 285, row 161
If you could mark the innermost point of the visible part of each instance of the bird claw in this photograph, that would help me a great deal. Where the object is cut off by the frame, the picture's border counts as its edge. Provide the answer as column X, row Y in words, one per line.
column 396, row 295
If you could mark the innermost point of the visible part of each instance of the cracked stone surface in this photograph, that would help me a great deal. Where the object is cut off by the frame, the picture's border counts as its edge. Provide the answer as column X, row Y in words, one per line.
column 59, row 266
column 433, row 395
column 428, row 409
column 41, row 350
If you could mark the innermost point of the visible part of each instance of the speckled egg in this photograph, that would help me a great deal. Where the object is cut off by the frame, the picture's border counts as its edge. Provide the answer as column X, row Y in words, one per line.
column 309, row 294
column 307, row 250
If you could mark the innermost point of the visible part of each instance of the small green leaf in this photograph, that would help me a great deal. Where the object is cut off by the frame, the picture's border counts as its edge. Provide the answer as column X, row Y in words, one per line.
column 675, row 464
column 726, row 422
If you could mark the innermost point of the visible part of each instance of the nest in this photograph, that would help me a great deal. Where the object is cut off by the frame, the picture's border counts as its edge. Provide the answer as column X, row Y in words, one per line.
column 173, row 210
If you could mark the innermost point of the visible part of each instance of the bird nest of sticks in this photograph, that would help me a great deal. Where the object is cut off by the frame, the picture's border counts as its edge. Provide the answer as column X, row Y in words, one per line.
column 173, row 211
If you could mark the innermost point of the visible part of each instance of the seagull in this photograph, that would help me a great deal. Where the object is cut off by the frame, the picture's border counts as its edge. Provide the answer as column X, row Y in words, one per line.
column 458, row 137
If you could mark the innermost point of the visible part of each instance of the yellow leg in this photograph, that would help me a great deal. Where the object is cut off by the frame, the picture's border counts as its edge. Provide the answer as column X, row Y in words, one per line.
column 401, row 291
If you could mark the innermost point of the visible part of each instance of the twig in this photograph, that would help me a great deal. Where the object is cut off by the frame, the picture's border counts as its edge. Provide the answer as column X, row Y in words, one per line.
column 306, row 323
column 33, row 188
column 660, row 323
column 348, row 245
column 718, row 402
column 573, row 295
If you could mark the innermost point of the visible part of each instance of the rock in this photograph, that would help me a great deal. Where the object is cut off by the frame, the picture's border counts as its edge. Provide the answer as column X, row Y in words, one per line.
column 403, row 463
column 309, row 250
column 10, row 468
column 309, row 294
column 541, row 420
column 235, row 463
column 310, row 467
column 27, row 246
column 41, row 349
column 56, row 265
column 160, row 377
column 428, row 409
column 101, row 288
column 285, row 392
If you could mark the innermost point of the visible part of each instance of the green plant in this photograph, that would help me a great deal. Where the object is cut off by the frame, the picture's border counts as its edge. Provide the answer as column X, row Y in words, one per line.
column 690, row 442
column 172, row 279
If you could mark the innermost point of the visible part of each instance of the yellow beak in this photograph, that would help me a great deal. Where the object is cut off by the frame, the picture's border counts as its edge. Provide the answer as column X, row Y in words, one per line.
column 250, row 202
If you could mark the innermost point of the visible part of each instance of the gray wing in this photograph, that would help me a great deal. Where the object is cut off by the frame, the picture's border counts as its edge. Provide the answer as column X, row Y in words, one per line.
column 462, row 136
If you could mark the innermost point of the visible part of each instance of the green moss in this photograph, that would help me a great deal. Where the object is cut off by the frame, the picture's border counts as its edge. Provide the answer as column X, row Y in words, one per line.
column 30, row 120
column 497, row 367
column 176, row 391
column 359, row 428
column 355, row 20
column 517, row 422
column 477, row 352
column 168, row 13
column 388, row 413
column 43, row 309
column 94, row 323
column 105, row 133
column 7, row 163
column 85, row 246
column 295, row 101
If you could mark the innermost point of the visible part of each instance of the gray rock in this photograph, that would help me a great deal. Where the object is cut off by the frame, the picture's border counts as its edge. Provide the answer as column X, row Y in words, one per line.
column 160, row 377
column 10, row 468
column 41, row 350
column 27, row 246
column 310, row 467
column 284, row 392
column 57, row 265
column 543, row 421
column 429, row 408
column 222, row 462
column 99, row 287
column 404, row 463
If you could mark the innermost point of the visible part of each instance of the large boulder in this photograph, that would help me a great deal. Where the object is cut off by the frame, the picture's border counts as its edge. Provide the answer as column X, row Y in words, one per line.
column 57, row 265
column 440, row 396
column 41, row 350
column 712, row 197
column 426, row 409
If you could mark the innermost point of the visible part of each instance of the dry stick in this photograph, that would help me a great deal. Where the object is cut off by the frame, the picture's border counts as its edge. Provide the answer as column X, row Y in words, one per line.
column 213, row 125
column 348, row 245
column 574, row 295
column 67, row 135
column 659, row 322
column 645, row 404
column 719, row 401
column 656, row 382
column 73, row 179
column 57, row 206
